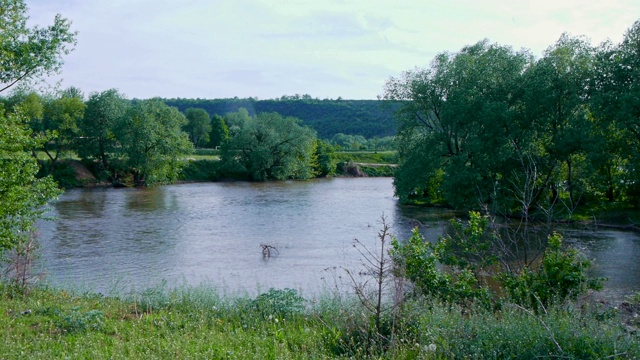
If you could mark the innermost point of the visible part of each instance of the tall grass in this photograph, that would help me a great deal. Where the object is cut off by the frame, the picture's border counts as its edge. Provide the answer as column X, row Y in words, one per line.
column 199, row 322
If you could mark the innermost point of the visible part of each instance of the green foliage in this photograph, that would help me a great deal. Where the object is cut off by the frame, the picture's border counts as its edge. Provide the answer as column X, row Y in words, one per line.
column 200, row 323
column 269, row 146
column 419, row 262
column 219, row 131
column 75, row 321
column 201, row 170
column 325, row 159
column 61, row 118
column 280, row 303
column 377, row 170
column 198, row 126
column 27, row 53
column 152, row 143
column 561, row 276
column 22, row 195
column 488, row 126
column 366, row 118
column 474, row 253
column 104, row 112
column 383, row 157
column 469, row 246
column 206, row 152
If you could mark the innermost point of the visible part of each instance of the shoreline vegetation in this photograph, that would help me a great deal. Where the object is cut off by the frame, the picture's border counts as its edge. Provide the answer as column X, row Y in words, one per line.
column 198, row 322
column 204, row 166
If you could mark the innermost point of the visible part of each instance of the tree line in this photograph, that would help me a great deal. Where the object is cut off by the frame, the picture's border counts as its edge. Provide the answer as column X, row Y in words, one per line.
column 367, row 118
column 145, row 142
column 490, row 127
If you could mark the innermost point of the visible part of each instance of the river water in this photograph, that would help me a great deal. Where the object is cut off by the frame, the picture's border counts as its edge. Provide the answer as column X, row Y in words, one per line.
column 110, row 240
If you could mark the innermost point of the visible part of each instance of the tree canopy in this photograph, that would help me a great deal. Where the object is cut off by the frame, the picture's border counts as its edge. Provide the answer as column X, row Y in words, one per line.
column 489, row 126
column 270, row 146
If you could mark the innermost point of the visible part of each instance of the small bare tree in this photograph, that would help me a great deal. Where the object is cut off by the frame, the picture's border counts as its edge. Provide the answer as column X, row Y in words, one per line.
column 19, row 263
column 375, row 285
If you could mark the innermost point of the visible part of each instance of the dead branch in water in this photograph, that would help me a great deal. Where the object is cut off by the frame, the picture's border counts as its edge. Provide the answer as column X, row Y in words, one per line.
column 267, row 249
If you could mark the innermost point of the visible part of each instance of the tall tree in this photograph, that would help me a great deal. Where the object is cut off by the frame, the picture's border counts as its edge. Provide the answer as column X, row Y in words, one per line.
column 219, row 131
column 617, row 104
column 104, row 111
column 152, row 143
column 458, row 124
column 556, row 106
column 61, row 118
column 198, row 126
column 24, row 53
column 270, row 147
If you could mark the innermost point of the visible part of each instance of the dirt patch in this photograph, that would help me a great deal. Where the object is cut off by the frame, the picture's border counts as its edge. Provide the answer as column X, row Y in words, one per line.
column 82, row 174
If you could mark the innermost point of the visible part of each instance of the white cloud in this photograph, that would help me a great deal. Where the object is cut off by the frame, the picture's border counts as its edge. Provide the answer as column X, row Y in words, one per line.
column 267, row 48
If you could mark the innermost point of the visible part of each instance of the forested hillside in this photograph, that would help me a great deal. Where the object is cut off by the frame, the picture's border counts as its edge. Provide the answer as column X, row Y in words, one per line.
column 369, row 118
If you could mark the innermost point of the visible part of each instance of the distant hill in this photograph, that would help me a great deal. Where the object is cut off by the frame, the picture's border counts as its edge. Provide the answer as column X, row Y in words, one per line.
column 369, row 118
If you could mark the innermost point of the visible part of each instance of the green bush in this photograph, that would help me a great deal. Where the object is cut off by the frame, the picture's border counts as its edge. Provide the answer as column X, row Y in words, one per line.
column 562, row 275
column 201, row 170
column 420, row 262
column 279, row 303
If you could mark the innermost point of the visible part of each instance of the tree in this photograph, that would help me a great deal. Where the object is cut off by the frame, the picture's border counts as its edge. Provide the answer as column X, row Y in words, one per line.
column 198, row 126
column 324, row 159
column 30, row 52
column 556, row 105
column 616, row 104
column 22, row 195
column 459, row 125
column 270, row 147
column 152, row 144
column 219, row 131
column 237, row 119
column 24, row 53
column 60, row 125
column 104, row 111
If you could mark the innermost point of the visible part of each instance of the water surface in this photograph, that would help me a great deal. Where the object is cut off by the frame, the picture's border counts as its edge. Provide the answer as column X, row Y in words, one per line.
column 122, row 239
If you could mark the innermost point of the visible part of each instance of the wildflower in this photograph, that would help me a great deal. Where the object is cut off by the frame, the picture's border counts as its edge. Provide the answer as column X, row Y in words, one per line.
column 429, row 348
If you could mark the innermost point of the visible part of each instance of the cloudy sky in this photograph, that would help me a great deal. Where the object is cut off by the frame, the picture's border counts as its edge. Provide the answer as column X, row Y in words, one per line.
column 268, row 48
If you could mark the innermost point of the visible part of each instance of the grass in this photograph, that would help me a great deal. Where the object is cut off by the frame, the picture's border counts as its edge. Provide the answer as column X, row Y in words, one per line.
column 197, row 322
column 368, row 157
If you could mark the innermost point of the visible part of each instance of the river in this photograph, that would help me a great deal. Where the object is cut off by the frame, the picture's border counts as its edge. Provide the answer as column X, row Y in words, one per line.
column 115, row 240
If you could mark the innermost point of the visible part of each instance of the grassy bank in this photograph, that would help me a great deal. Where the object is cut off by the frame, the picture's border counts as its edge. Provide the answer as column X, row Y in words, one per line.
column 199, row 323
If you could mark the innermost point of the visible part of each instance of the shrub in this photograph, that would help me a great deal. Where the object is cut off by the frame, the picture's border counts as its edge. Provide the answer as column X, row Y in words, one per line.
column 562, row 275
column 279, row 303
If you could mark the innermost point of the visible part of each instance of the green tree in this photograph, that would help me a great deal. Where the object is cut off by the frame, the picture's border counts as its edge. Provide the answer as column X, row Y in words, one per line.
column 104, row 112
column 151, row 142
column 60, row 123
column 219, row 131
column 617, row 107
column 27, row 53
column 237, row 119
column 198, row 126
column 325, row 163
column 459, row 126
column 24, row 53
column 270, row 147
column 556, row 104
column 22, row 195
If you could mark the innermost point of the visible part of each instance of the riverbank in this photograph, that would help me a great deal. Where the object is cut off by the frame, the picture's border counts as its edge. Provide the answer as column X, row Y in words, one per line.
column 279, row 324
column 72, row 173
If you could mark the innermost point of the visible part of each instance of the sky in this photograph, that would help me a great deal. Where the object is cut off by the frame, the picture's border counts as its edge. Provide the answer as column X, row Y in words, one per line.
column 327, row 49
